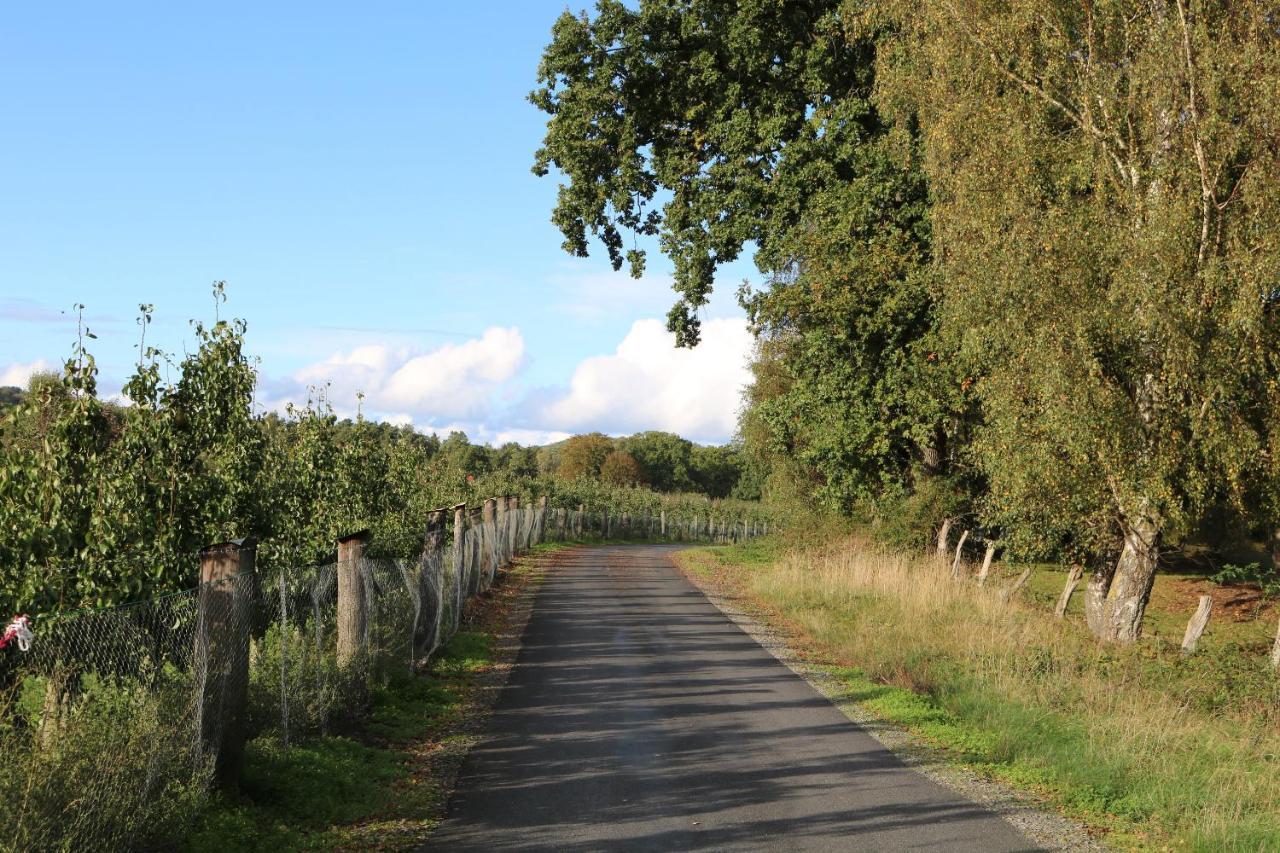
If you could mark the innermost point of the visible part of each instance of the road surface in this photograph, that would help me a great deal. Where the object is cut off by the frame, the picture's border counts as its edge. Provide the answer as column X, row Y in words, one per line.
column 639, row 717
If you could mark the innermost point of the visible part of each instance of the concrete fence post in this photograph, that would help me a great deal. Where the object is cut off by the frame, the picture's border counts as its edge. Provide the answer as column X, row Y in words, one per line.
column 225, row 606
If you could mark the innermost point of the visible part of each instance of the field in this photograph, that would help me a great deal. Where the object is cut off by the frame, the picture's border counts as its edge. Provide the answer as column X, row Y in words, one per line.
column 1150, row 748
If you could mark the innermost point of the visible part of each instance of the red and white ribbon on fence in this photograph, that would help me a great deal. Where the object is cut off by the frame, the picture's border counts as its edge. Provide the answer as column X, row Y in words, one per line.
column 19, row 629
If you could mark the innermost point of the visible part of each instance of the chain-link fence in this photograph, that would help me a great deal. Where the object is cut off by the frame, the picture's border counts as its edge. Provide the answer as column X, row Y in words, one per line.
column 117, row 723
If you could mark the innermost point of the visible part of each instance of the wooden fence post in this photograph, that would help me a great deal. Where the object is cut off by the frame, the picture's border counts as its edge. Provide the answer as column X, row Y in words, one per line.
column 992, row 545
column 1275, row 650
column 943, row 533
column 663, row 519
column 1068, row 589
column 489, row 549
column 225, row 602
column 1196, row 626
column 1008, row 594
column 542, row 519
column 353, row 609
column 459, row 538
column 577, row 521
column 430, row 590
column 955, row 564
column 512, row 527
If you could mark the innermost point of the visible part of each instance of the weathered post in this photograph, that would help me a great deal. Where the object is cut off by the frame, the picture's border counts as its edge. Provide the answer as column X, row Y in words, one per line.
column 513, row 526
column 604, row 524
column 955, row 564
column 224, row 601
column 476, row 577
column 501, row 521
column 1008, row 594
column 488, row 551
column 662, row 517
column 577, row 521
column 353, row 610
column 1275, row 650
column 992, row 545
column 542, row 518
column 1196, row 626
column 459, row 556
column 1068, row 589
column 943, row 533
column 430, row 587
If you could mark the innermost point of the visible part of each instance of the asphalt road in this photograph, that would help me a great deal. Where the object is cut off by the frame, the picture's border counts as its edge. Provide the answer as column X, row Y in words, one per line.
column 639, row 717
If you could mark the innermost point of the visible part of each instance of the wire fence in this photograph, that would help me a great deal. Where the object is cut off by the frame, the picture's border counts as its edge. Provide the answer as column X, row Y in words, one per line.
column 118, row 723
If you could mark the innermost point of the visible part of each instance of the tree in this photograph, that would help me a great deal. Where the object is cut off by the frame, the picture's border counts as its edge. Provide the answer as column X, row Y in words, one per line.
column 582, row 456
column 699, row 99
column 620, row 468
column 1105, row 184
column 665, row 457
column 759, row 120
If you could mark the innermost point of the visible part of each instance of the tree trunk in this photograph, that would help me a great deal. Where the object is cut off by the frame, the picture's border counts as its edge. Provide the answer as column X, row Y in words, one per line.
column 1064, row 600
column 1095, row 600
column 933, row 456
column 986, row 563
column 1135, row 573
column 1196, row 626
column 955, row 564
column 943, row 532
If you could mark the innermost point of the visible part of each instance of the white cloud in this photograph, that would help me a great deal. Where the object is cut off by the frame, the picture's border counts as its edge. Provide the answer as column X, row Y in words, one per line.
column 18, row 374
column 449, row 381
column 528, row 437
column 648, row 383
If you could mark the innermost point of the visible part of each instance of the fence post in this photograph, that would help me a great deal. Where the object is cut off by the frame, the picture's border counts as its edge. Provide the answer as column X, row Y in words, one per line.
column 1197, row 625
column 955, row 565
column 1068, row 589
column 992, row 545
column 430, row 590
column 542, row 518
column 222, row 660
column 489, row 549
column 513, row 526
column 353, row 608
column 577, row 522
column 459, row 557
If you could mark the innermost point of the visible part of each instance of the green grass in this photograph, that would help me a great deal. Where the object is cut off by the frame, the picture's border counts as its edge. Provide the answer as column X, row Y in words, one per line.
column 1157, row 750
column 338, row 791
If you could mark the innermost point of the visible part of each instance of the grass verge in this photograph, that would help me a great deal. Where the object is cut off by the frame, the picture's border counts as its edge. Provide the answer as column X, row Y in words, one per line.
column 1152, row 750
column 386, row 786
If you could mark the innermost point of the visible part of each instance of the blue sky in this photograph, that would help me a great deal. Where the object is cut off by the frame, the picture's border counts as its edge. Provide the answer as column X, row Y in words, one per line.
column 359, row 174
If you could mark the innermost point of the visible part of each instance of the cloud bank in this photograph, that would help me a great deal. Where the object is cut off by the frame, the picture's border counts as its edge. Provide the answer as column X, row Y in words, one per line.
column 647, row 383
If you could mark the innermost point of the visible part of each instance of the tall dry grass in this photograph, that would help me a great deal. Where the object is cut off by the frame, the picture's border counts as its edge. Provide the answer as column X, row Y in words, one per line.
column 1138, row 739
